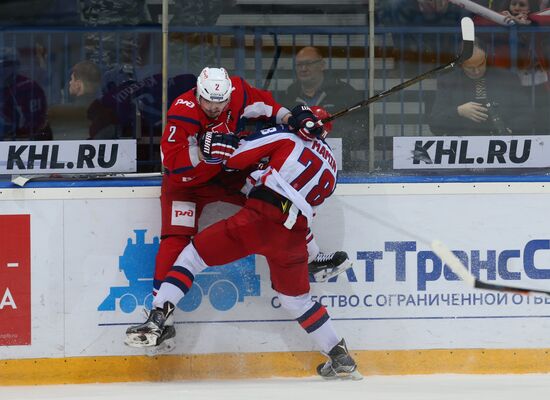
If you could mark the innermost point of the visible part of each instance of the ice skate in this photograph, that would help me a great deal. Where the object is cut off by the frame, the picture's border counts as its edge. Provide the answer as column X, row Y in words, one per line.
column 328, row 265
column 340, row 364
column 155, row 331
column 167, row 343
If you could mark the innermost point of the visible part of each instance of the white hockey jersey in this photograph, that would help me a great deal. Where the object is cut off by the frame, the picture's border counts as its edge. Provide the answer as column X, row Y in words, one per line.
column 305, row 172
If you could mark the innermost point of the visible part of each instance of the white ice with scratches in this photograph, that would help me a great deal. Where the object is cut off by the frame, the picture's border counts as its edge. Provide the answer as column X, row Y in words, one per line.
column 410, row 387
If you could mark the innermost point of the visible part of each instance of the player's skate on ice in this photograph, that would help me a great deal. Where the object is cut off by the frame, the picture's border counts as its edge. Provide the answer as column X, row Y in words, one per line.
column 156, row 331
column 340, row 364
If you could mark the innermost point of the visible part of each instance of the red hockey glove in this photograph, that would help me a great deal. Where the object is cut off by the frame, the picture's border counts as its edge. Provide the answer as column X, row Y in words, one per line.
column 305, row 123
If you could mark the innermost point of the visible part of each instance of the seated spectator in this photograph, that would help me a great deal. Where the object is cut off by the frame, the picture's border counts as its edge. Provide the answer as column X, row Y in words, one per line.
column 479, row 100
column 315, row 86
column 519, row 10
column 533, row 58
column 108, row 106
column 71, row 120
column 22, row 102
column 85, row 81
column 124, row 99
column 530, row 60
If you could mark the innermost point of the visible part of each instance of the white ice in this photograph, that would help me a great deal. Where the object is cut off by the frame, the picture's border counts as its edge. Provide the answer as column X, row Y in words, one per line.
column 425, row 387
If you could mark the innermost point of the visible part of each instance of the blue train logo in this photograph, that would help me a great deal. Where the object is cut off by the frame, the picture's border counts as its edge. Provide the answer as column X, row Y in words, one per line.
column 224, row 286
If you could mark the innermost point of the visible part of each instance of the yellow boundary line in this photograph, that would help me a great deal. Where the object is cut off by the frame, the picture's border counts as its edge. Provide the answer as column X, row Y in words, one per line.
column 262, row 365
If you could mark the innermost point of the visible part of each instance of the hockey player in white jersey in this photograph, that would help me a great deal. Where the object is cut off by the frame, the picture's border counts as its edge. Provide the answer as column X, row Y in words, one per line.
column 300, row 173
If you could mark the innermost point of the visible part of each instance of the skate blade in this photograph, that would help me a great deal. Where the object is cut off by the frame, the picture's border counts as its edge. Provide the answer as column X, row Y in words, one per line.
column 140, row 340
column 355, row 375
column 325, row 275
column 344, row 376
column 165, row 347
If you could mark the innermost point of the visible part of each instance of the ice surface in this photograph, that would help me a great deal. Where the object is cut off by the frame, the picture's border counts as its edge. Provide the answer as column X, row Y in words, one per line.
column 425, row 387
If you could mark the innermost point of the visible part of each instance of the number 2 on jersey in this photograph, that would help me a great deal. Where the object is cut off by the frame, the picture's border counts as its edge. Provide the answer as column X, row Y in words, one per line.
column 171, row 137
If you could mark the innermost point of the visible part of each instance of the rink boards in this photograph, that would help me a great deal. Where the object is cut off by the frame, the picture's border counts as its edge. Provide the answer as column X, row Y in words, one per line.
column 76, row 267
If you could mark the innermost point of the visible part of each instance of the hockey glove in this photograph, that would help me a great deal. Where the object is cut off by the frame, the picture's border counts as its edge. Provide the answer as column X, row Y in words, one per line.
column 305, row 123
column 218, row 147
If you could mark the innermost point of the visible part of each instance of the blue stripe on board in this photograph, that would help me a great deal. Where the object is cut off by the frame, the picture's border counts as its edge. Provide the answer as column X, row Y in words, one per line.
column 85, row 183
column 342, row 179
column 351, row 178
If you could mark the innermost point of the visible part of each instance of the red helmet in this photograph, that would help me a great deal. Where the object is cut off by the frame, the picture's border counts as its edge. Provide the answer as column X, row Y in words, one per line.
column 322, row 114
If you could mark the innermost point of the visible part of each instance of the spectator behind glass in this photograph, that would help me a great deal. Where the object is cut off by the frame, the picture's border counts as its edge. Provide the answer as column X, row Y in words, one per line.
column 315, row 86
column 531, row 64
column 519, row 10
column 85, row 81
column 72, row 120
column 479, row 100
column 106, row 106
column 533, row 60
column 22, row 102
column 124, row 97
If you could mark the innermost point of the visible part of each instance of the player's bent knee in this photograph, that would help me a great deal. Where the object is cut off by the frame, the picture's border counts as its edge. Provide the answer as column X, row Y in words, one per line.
column 190, row 259
column 295, row 305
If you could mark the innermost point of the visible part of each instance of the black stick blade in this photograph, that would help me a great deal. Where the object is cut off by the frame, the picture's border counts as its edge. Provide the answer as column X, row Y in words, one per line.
column 504, row 288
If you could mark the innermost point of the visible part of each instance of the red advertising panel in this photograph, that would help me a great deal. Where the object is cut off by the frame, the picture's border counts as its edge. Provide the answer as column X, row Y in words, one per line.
column 15, row 280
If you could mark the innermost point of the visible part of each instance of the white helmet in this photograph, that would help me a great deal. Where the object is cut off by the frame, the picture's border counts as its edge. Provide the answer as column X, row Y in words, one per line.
column 213, row 84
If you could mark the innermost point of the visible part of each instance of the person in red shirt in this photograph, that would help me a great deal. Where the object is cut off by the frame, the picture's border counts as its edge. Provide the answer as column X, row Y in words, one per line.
column 299, row 176
column 200, row 131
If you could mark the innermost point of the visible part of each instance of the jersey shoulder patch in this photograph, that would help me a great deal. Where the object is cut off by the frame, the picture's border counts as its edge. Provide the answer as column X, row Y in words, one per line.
column 184, row 102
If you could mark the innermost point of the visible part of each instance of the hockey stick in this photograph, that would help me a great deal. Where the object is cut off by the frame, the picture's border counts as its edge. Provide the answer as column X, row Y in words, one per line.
column 273, row 63
column 460, row 270
column 21, row 180
column 447, row 257
column 468, row 34
column 484, row 12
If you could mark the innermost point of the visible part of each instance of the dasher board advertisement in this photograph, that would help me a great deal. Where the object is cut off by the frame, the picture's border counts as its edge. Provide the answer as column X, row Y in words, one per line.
column 68, row 156
column 471, row 152
column 92, row 263
column 15, row 280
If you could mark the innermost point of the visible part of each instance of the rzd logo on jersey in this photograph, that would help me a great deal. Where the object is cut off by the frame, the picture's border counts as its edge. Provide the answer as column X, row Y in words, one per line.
column 183, row 213
column 15, row 280
column 185, row 103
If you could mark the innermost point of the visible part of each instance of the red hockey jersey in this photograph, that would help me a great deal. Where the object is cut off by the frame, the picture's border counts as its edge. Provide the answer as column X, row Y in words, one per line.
column 186, row 123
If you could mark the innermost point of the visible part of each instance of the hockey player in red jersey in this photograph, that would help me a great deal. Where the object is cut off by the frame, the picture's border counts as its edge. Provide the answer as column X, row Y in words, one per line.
column 200, row 130
column 206, row 116
column 299, row 176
